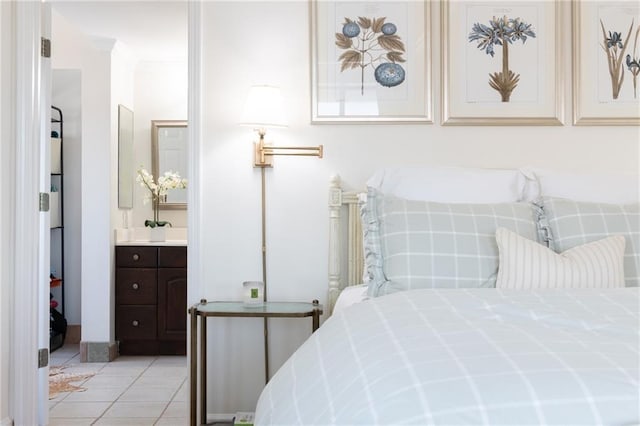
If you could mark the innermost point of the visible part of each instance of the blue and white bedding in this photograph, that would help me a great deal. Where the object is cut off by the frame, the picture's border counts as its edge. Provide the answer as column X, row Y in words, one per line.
column 467, row 356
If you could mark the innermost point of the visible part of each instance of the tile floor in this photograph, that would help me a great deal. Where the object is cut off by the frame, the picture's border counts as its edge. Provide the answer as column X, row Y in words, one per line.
column 132, row 390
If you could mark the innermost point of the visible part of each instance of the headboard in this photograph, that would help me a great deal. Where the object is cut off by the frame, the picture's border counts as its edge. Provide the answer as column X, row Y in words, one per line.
column 344, row 209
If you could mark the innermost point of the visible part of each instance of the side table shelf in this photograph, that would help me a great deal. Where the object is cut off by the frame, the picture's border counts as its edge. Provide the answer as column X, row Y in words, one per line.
column 204, row 310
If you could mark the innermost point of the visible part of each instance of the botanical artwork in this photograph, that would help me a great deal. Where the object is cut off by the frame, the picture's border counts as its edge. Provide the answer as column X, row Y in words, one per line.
column 371, row 61
column 606, row 69
column 501, row 32
column 372, row 43
column 614, row 48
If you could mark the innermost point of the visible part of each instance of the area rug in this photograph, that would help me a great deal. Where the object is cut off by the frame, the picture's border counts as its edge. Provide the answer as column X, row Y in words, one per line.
column 59, row 381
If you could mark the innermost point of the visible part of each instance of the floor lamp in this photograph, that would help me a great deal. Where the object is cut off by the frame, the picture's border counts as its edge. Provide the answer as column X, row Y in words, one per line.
column 264, row 109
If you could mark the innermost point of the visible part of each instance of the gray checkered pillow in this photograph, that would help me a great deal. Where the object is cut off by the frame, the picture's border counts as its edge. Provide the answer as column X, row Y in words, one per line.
column 572, row 223
column 422, row 244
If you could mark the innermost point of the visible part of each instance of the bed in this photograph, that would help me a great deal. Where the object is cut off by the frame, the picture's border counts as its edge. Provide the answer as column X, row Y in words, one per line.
column 490, row 297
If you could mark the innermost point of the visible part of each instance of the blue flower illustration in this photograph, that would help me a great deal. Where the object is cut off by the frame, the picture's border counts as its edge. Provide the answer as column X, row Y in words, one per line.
column 389, row 28
column 371, row 44
column 633, row 64
column 501, row 32
column 520, row 30
column 351, row 29
column 615, row 47
column 486, row 37
column 614, row 39
column 389, row 74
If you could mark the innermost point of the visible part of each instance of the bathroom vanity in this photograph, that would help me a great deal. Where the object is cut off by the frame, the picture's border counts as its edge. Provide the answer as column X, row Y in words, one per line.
column 151, row 298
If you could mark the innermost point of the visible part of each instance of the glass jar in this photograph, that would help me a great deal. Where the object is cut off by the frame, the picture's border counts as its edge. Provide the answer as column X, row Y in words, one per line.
column 253, row 292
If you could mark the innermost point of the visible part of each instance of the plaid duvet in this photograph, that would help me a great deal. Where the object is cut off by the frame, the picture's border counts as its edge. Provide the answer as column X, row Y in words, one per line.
column 467, row 356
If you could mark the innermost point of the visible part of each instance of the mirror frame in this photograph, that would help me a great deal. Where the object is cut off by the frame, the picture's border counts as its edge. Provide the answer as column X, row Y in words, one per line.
column 155, row 157
column 126, row 170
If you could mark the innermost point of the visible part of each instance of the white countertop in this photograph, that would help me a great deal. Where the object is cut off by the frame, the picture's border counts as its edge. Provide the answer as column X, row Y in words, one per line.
column 152, row 243
column 140, row 237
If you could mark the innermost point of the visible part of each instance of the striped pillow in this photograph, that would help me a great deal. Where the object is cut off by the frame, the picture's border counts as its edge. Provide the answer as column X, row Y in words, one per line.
column 525, row 264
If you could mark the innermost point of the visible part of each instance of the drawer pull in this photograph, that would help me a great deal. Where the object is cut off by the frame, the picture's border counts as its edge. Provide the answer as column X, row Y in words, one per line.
column 135, row 286
column 135, row 323
column 136, row 257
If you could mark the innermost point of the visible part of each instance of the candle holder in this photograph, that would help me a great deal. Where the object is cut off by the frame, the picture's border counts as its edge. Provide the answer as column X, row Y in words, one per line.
column 253, row 293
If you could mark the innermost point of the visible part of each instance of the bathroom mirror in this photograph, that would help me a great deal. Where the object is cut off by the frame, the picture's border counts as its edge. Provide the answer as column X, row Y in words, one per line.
column 169, row 152
column 125, row 157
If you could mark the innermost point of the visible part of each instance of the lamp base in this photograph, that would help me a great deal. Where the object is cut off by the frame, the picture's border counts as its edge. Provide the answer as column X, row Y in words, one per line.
column 260, row 159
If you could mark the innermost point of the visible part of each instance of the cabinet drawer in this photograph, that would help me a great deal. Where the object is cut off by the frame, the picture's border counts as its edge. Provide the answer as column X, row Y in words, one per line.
column 136, row 257
column 172, row 257
column 136, row 286
column 135, row 322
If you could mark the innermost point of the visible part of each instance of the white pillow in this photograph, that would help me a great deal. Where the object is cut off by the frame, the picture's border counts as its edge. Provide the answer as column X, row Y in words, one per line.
column 450, row 184
column 525, row 264
column 596, row 188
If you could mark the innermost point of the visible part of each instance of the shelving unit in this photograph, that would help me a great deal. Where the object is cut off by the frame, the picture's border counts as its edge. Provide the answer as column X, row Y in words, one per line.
column 56, row 208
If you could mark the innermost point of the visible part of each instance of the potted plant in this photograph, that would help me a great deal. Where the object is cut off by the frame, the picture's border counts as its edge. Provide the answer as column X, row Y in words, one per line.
column 158, row 192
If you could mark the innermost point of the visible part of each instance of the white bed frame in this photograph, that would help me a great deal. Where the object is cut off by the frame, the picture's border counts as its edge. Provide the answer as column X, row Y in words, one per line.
column 343, row 205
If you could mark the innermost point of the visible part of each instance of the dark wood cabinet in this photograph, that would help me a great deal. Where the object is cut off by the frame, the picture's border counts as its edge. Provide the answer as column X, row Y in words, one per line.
column 172, row 299
column 151, row 300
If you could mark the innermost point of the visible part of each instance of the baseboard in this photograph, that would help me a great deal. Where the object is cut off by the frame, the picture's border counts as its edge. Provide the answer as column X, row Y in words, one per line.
column 98, row 351
column 6, row 422
column 73, row 333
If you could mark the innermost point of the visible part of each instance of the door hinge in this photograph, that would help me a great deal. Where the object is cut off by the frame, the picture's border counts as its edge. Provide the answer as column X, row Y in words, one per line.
column 43, row 357
column 44, row 202
column 45, row 47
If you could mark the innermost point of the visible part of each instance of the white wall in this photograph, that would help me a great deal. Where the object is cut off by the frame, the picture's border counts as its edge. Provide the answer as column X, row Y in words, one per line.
column 268, row 42
column 67, row 95
column 7, row 258
column 123, row 65
column 121, row 85
column 75, row 51
column 160, row 94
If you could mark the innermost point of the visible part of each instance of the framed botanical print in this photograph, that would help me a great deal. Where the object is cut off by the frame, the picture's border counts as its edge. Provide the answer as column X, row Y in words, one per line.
column 501, row 63
column 606, row 62
column 371, row 61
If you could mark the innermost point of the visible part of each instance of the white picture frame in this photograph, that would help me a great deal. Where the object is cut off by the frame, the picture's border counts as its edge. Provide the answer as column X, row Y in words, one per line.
column 533, row 94
column 350, row 83
column 598, row 96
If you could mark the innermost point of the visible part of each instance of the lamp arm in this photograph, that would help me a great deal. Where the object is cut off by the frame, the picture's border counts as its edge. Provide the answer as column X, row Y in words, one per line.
column 263, row 154
column 311, row 151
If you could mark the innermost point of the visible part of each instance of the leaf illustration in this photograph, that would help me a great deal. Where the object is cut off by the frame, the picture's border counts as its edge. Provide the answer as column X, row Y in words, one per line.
column 377, row 24
column 347, row 20
column 365, row 23
column 350, row 59
column 391, row 42
column 394, row 57
column 343, row 42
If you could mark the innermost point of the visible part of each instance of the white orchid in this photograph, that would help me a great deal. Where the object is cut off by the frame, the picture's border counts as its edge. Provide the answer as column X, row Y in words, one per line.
column 158, row 191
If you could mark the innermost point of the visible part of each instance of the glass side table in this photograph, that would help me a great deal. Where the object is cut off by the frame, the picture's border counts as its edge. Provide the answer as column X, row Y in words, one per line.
column 205, row 310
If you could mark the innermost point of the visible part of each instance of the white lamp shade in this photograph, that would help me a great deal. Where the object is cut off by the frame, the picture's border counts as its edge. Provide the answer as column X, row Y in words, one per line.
column 264, row 108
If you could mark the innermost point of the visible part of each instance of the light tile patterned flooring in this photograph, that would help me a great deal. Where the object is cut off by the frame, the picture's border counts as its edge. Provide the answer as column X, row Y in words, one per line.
column 132, row 390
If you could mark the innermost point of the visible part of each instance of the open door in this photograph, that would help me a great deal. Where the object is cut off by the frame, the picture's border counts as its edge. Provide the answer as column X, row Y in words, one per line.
column 28, row 241
column 44, row 180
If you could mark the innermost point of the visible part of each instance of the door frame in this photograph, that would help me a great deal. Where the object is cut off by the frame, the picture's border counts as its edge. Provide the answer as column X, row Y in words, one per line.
column 25, row 376
column 27, row 406
column 195, row 215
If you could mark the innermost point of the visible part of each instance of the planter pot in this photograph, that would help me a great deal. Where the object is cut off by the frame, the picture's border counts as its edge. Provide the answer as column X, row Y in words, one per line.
column 157, row 234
